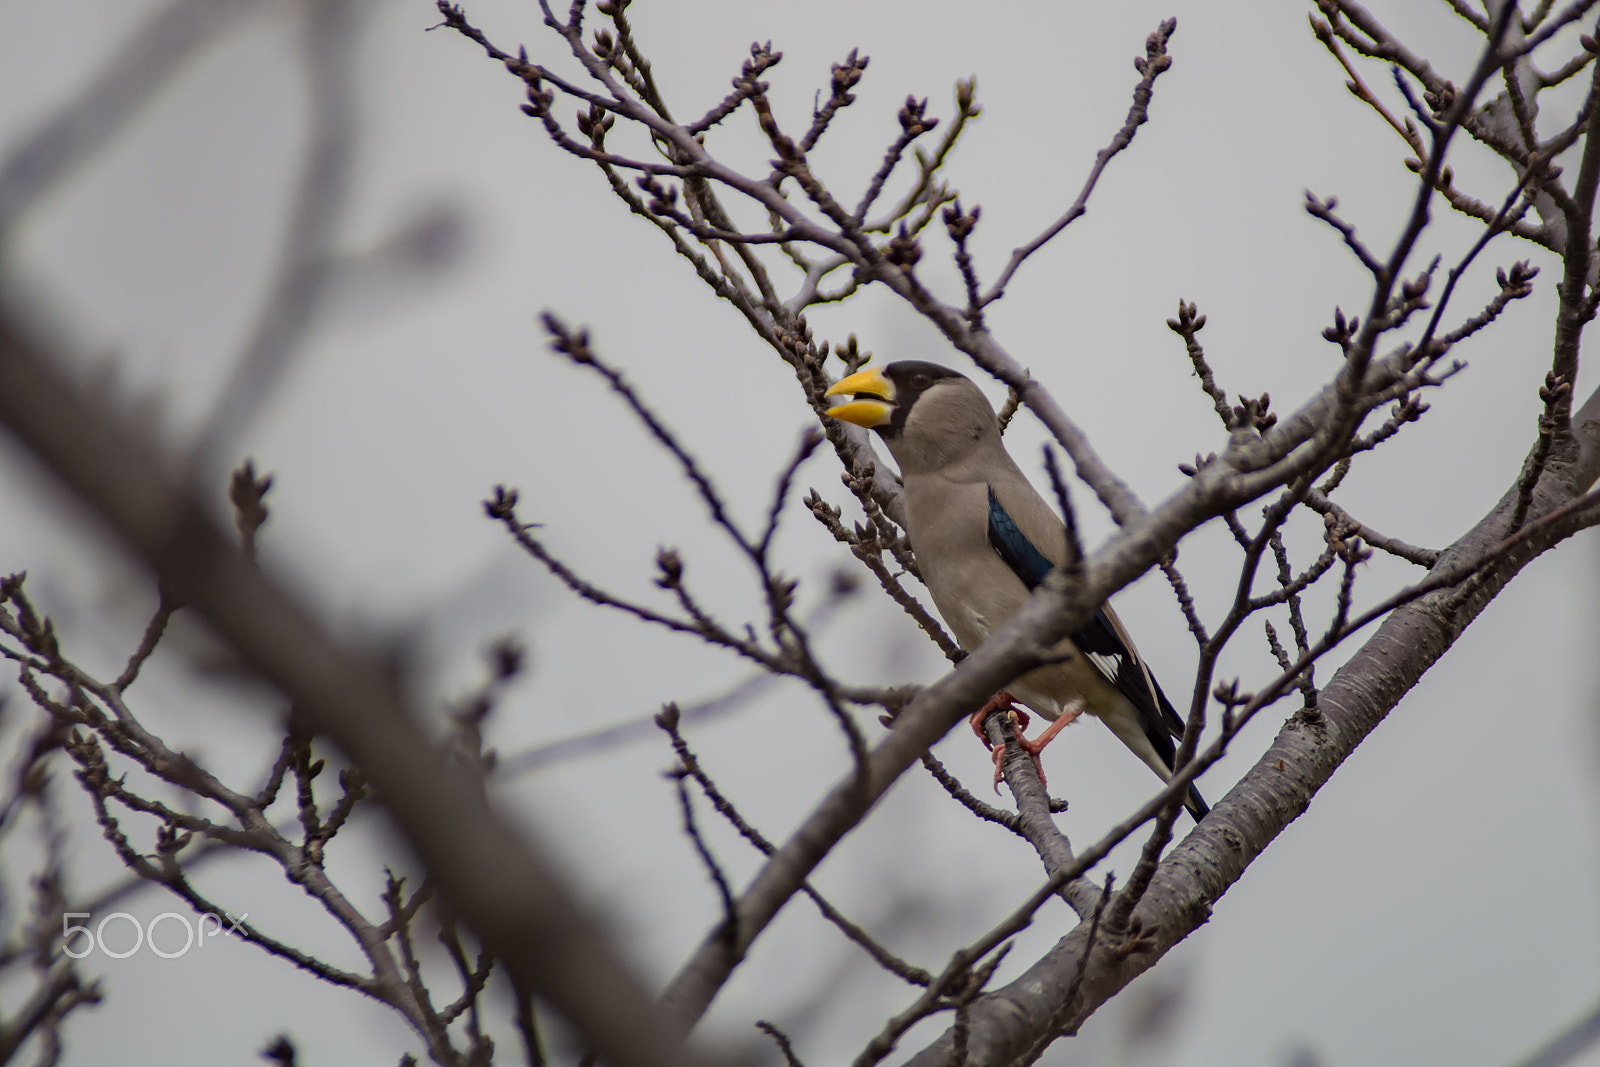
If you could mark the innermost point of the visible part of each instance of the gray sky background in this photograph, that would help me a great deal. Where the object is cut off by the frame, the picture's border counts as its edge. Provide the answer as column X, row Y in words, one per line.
column 1437, row 903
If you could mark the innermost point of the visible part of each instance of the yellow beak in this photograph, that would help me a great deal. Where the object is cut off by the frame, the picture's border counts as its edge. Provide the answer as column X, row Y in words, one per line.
column 874, row 403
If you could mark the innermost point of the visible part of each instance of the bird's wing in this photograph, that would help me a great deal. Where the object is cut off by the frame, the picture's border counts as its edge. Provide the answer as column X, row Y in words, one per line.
column 1134, row 679
column 1103, row 640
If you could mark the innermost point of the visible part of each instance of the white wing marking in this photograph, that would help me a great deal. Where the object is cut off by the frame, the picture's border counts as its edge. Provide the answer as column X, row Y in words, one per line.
column 1107, row 665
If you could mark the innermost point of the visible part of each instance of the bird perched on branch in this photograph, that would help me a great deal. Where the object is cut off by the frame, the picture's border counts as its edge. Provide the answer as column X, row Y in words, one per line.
column 984, row 539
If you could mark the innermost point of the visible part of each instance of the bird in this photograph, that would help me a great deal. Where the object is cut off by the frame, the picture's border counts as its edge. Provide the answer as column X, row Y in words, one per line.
column 984, row 538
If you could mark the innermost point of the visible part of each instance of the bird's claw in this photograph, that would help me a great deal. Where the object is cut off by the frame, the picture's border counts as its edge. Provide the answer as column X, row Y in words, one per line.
column 999, row 753
column 1033, row 747
column 1001, row 701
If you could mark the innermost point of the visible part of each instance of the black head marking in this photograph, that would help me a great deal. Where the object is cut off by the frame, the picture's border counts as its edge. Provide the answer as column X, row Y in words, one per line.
column 911, row 378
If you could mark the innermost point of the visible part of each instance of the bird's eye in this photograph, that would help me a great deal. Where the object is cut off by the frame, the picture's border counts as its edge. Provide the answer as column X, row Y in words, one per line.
column 921, row 380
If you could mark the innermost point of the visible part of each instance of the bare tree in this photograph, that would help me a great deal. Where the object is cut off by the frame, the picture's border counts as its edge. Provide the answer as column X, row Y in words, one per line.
column 774, row 236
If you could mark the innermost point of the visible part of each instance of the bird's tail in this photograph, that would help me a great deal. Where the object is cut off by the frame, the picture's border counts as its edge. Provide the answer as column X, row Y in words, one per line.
column 1196, row 805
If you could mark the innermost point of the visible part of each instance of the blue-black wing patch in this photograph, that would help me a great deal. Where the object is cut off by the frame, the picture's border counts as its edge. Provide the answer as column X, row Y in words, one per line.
column 1020, row 554
column 1098, row 641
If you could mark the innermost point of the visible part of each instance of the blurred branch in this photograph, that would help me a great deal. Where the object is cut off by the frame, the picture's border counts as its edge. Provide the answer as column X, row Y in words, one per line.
column 139, row 67
column 306, row 261
column 1569, row 1044
column 59, row 992
column 56, row 987
column 497, row 880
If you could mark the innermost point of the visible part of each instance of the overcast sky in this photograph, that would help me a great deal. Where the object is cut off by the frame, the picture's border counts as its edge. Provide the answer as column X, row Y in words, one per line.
column 1436, row 904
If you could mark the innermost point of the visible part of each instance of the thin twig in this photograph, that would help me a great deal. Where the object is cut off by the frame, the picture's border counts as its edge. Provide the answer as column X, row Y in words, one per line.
column 1150, row 67
column 730, row 913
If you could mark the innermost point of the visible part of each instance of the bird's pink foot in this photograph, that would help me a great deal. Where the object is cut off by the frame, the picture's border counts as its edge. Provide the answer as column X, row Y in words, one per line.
column 1068, row 716
column 1001, row 701
column 999, row 753
column 1034, row 747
